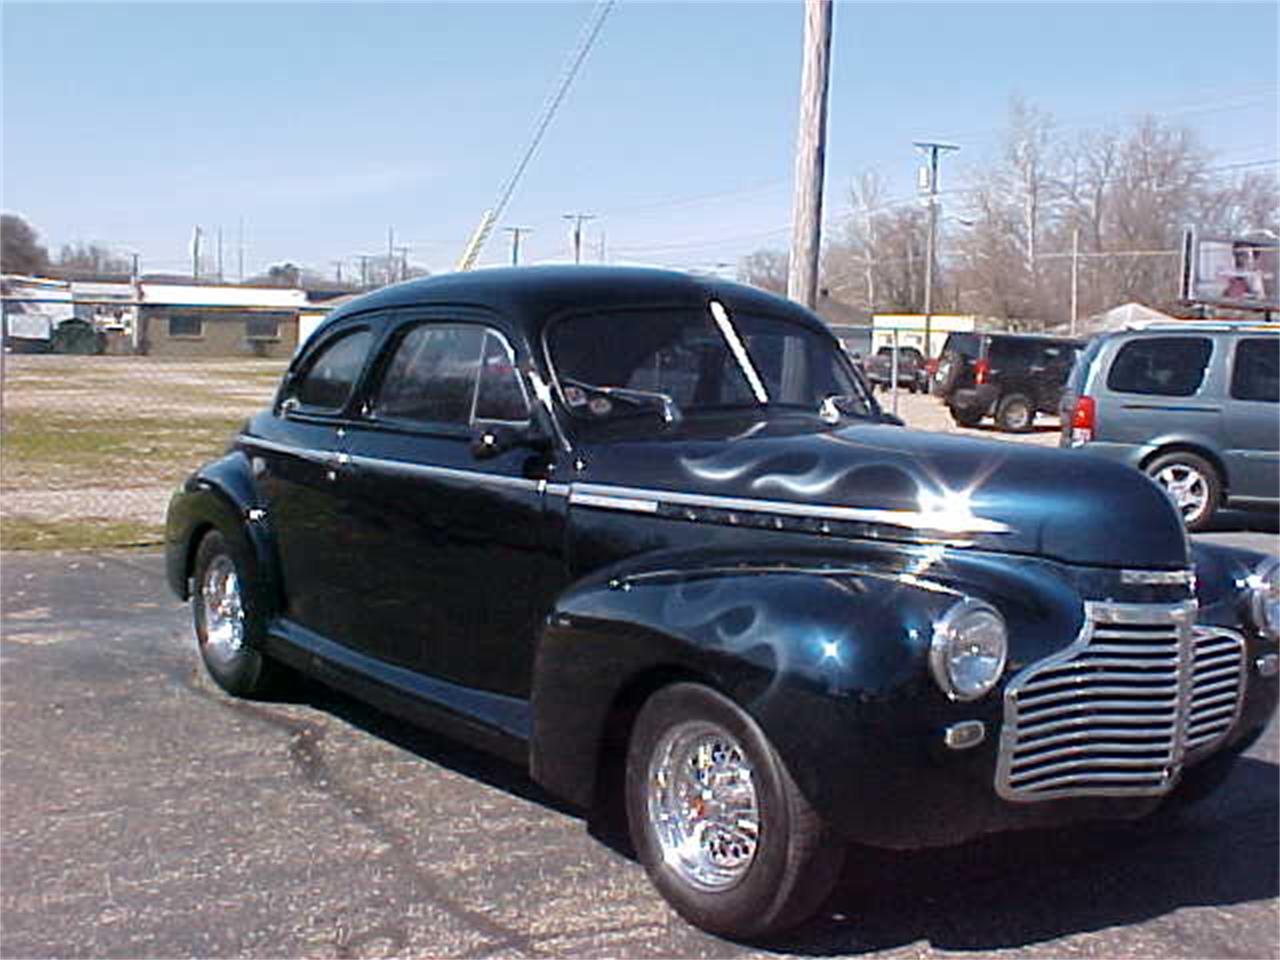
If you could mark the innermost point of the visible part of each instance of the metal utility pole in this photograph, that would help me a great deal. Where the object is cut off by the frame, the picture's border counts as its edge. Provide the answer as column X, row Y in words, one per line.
column 364, row 271
column 515, row 242
column 195, row 254
column 1075, row 279
column 806, row 215
column 933, row 150
column 391, row 254
column 404, row 262
column 220, row 275
column 337, row 270
column 578, row 219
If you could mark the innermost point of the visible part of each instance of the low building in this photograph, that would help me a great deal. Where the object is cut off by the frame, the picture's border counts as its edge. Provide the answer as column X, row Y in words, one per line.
column 176, row 320
column 909, row 330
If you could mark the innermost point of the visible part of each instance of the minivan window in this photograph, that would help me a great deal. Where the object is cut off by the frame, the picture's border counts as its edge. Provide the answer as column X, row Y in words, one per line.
column 1256, row 375
column 331, row 376
column 1161, row 366
column 1080, row 372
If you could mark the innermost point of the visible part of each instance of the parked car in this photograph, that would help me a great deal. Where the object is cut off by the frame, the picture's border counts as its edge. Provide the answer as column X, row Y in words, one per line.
column 1196, row 406
column 911, row 369
column 647, row 534
column 1010, row 377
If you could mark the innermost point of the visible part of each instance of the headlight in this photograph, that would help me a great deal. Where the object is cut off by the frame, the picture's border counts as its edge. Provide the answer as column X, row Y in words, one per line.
column 1264, row 597
column 968, row 650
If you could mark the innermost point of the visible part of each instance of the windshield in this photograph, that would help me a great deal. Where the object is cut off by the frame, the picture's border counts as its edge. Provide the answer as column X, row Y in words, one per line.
column 702, row 360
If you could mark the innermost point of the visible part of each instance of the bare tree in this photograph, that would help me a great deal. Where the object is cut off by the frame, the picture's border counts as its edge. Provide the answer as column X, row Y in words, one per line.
column 89, row 260
column 766, row 269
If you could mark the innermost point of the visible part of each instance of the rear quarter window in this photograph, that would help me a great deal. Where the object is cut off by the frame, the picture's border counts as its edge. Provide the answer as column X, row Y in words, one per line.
column 1256, row 372
column 1161, row 366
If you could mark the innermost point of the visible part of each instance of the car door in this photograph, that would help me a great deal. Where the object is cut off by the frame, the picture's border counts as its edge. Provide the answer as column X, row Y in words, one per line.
column 295, row 462
column 1251, row 419
column 458, row 560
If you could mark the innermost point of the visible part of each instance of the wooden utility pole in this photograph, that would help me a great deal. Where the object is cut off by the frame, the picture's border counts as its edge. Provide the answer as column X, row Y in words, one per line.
column 578, row 219
column 515, row 242
column 932, row 150
column 806, row 216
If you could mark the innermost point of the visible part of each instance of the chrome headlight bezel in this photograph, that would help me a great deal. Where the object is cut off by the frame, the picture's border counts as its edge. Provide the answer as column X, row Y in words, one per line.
column 951, row 630
column 1264, row 608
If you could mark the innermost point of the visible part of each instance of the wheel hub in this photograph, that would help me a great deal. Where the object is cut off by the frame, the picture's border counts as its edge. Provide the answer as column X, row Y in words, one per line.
column 223, row 609
column 703, row 806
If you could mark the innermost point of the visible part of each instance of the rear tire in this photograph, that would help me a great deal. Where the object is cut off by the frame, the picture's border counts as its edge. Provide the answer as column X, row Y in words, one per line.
column 228, row 624
column 966, row 419
column 1015, row 413
column 1192, row 482
column 721, row 827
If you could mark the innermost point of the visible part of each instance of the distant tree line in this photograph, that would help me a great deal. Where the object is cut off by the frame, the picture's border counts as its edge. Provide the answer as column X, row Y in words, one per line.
column 21, row 252
column 1123, row 196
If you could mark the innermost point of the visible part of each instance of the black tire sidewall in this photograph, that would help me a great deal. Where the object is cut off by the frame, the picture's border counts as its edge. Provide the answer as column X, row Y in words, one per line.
column 751, row 907
column 1010, row 402
column 246, row 673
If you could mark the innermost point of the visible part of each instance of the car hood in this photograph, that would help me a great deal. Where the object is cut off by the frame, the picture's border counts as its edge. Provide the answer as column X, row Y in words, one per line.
column 1009, row 497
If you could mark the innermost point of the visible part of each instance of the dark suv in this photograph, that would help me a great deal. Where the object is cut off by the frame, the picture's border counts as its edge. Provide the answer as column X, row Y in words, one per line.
column 1009, row 376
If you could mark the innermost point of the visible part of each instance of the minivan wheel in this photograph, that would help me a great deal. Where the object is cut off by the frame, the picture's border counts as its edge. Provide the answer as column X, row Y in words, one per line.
column 721, row 828
column 1015, row 414
column 1192, row 483
column 227, row 624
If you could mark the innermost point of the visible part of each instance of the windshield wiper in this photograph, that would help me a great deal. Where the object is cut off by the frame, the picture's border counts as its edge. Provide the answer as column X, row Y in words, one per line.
column 670, row 410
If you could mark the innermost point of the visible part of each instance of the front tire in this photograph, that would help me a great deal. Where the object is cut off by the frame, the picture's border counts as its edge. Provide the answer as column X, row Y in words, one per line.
column 228, row 625
column 1192, row 482
column 721, row 827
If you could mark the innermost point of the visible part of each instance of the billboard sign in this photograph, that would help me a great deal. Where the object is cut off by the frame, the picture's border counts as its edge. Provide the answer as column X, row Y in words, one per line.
column 1237, row 272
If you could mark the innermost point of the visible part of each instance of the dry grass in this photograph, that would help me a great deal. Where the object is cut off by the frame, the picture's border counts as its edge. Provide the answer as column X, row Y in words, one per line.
column 91, row 447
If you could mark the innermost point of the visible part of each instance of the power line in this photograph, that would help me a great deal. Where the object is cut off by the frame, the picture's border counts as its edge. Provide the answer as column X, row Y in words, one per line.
column 588, row 37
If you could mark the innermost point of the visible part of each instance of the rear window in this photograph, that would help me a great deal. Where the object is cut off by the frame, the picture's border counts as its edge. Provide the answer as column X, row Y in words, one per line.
column 1013, row 353
column 1256, row 375
column 1161, row 366
column 965, row 344
column 1080, row 372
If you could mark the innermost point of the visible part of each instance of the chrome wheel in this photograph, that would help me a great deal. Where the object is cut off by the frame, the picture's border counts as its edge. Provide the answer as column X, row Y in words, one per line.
column 702, row 805
column 223, row 610
column 1188, row 487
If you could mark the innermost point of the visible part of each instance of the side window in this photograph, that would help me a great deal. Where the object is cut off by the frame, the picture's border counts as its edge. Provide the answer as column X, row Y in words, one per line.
column 1256, row 375
column 1161, row 366
column 432, row 375
column 500, row 394
column 332, row 375
column 451, row 373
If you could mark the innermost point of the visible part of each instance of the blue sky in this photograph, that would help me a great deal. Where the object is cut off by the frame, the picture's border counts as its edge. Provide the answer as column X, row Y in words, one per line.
column 323, row 124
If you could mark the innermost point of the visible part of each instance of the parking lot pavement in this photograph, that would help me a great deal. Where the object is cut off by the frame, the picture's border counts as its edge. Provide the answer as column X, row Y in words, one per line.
column 146, row 814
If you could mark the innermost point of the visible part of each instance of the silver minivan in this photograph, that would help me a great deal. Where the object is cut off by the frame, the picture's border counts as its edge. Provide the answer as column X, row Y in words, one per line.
column 1195, row 405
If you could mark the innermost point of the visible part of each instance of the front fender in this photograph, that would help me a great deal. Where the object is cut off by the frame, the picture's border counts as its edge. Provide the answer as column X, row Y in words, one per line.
column 830, row 660
column 221, row 495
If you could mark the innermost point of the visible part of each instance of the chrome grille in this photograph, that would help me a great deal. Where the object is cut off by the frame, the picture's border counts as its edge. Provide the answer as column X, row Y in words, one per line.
column 1108, row 715
column 1217, row 686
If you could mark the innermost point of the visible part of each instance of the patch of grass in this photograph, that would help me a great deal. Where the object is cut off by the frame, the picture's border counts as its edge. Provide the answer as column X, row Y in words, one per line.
column 53, row 451
column 24, row 533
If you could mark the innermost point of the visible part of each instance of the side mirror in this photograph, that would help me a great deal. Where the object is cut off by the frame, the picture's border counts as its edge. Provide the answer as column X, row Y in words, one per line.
column 491, row 440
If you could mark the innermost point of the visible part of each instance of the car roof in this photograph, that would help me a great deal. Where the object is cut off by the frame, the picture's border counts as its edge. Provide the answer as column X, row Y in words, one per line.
column 530, row 297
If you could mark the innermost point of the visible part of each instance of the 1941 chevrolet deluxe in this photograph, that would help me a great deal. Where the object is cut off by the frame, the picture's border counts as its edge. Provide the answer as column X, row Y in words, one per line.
column 651, row 535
